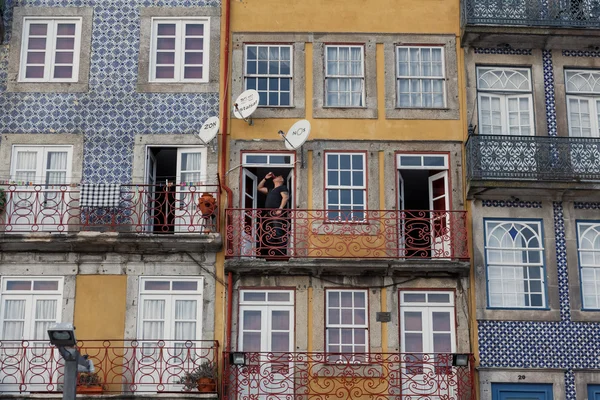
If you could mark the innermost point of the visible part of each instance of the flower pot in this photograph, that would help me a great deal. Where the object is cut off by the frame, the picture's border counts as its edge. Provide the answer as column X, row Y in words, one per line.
column 207, row 204
column 207, row 385
column 90, row 389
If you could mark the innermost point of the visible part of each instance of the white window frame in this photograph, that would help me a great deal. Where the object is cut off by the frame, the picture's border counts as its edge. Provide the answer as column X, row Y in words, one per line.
column 170, row 296
column 41, row 163
column 50, row 51
column 271, row 160
column 339, row 187
column 589, row 93
column 515, row 273
column 421, row 78
column 354, row 327
column 179, row 63
column 422, row 157
column 589, row 263
column 505, row 90
column 268, row 76
column 427, row 308
column 329, row 76
column 30, row 297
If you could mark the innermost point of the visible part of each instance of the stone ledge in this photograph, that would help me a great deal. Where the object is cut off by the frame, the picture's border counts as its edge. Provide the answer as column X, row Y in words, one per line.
column 100, row 242
column 354, row 267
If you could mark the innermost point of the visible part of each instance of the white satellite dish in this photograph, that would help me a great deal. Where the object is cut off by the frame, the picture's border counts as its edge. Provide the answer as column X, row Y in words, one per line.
column 245, row 104
column 297, row 134
column 209, row 130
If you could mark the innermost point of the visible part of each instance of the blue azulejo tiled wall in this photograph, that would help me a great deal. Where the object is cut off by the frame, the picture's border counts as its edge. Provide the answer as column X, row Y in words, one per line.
column 111, row 112
column 563, row 344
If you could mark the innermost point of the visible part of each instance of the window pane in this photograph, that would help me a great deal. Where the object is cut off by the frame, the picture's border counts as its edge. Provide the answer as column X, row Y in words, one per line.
column 413, row 321
column 279, row 296
column 165, row 44
column 194, row 29
column 65, row 29
column 38, row 29
column 63, row 72
column 18, row 285
column 157, row 285
column 36, row 44
column 185, row 285
column 252, row 320
column 165, row 72
column 45, row 285
column 192, row 73
column 194, row 44
column 166, row 29
column 280, row 320
column 254, row 296
column 65, row 43
column 62, row 57
column 194, row 57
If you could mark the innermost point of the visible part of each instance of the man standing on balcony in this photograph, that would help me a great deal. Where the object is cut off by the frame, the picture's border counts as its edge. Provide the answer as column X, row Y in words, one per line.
column 274, row 224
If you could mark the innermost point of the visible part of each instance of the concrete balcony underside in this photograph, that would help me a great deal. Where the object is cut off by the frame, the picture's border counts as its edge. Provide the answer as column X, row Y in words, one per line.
column 100, row 242
column 348, row 267
column 550, row 24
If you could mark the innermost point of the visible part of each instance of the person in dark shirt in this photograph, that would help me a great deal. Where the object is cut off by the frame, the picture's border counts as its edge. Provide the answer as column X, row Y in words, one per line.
column 274, row 225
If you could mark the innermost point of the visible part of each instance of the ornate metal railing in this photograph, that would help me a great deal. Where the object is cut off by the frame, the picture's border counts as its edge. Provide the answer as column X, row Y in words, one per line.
column 543, row 13
column 121, row 366
column 375, row 376
column 127, row 208
column 533, row 158
column 420, row 234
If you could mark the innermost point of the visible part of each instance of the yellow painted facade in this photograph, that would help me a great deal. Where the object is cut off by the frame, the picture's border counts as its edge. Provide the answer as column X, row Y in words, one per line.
column 100, row 306
column 369, row 17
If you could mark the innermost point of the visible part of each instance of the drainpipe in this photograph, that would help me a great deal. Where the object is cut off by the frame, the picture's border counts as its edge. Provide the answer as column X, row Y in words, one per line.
column 224, row 158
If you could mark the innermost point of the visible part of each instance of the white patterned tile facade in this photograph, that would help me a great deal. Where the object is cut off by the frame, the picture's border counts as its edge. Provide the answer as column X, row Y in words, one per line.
column 111, row 112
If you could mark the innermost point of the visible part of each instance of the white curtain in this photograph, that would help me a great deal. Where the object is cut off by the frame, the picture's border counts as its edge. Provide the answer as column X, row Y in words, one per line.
column 191, row 167
column 506, row 281
column 56, row 168
column 153, row 315
column 45, row 315
column 26, row 166
column 490, row 122
column 14, row 316
column 518, row 115
column 185, row 319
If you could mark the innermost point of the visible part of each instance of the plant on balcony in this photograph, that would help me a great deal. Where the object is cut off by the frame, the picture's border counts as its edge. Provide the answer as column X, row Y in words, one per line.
column 203, row 378
column 89, row 382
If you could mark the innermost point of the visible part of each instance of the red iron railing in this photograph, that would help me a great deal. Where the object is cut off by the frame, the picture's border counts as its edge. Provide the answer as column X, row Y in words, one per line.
column 152, row 209
column 121, row 366
column 406, row 234
column 376, row 376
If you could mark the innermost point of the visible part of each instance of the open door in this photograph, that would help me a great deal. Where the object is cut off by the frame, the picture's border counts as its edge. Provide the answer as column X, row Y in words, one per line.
column 401, row 215
column 249, row 201
column 150, row 211
column 190, row 163
column 440, row 221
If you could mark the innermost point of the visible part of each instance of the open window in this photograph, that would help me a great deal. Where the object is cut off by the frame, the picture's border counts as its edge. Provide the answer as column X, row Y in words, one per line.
column 264, row 233
column 175, row 179
column 424, row 203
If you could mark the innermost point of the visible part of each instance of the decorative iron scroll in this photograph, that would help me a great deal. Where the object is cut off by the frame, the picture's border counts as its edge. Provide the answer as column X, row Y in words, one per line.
column 121, row 366
column 421, row 234
column 560, row 13
column 141, row 209
column 533, row 158
column 374, row 376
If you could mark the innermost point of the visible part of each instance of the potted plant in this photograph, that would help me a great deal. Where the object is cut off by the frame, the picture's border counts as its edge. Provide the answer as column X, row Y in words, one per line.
column 89, row 383
column 203, row 378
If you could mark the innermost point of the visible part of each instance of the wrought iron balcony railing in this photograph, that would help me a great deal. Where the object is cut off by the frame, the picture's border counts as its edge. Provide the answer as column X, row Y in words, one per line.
column 541, row 158
column 134, row 366
column 420, row 234
column 542, row 13
column 134, row 208
column 374, row 376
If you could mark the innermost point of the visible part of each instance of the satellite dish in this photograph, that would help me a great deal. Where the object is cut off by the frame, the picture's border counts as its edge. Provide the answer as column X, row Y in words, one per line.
column 297, row 134
column 209, row 130
column 245, row 104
